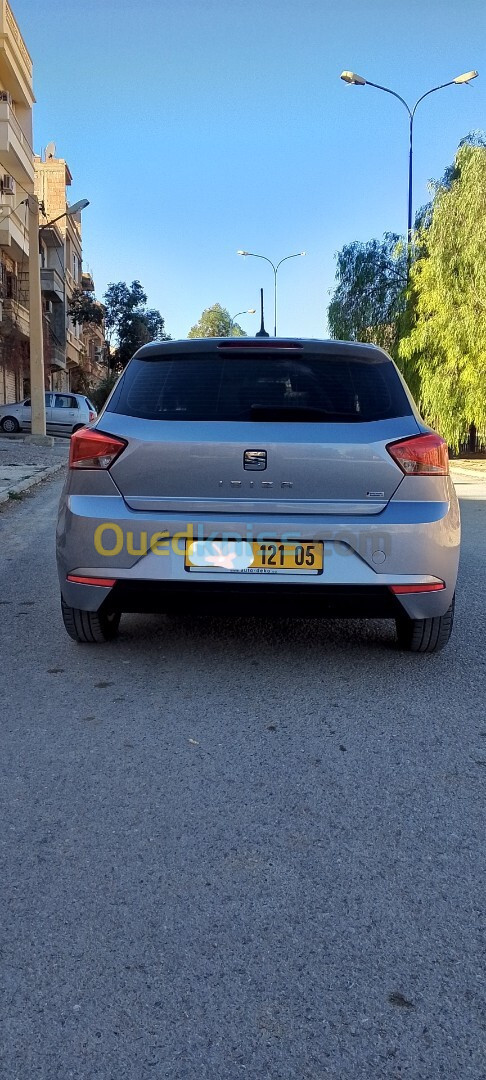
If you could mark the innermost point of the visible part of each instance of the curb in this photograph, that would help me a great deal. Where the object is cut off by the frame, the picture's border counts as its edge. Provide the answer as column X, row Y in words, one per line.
column 31, row 481
column 478, row 474
column 24, row 436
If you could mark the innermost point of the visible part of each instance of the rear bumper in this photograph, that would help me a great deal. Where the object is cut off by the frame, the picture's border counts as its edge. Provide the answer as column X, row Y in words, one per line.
column 230, row 598
column 408, row 543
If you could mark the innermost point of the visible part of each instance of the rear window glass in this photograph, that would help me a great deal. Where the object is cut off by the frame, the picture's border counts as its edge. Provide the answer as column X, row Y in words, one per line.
column 310, row 388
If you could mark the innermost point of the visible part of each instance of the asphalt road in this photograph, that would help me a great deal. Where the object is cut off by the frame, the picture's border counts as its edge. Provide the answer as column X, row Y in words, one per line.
column 239, row 849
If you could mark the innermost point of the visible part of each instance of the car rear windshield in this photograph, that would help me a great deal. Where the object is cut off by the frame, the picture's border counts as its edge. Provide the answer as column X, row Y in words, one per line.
column 310, row 388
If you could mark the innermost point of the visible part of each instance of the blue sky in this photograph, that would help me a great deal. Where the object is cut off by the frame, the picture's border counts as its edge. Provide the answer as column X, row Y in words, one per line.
column 197, row 127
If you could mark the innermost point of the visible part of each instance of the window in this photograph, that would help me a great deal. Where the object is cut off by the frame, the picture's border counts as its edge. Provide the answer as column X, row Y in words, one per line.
column 28, row 402
column 65, row 401
column 311, row 388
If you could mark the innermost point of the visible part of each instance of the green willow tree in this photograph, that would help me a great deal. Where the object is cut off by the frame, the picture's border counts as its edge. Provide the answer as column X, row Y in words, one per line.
column 369, row 299
column 443, row 350
column 215, row 321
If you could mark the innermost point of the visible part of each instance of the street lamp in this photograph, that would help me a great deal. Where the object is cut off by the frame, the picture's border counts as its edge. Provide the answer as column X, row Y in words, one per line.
column 70, row 211
column 353, row 79
column 37, row 387
column 247, row 311
column 275, row 269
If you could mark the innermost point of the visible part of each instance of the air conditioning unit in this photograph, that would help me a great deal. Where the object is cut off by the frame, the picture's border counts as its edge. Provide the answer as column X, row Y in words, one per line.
column 5, row 96
column 8, row 184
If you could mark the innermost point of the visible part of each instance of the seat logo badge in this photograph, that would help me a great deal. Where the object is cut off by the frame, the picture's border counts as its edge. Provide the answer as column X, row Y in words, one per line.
column 255, row 460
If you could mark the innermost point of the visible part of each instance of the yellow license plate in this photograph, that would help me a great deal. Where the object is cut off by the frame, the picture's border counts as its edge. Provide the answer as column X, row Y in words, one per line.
column 254, row 557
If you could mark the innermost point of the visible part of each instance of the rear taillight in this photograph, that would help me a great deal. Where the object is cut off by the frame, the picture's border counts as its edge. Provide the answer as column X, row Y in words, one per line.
column 432, row 586
column 92, row 416
column 93, row 449
column 422, row 455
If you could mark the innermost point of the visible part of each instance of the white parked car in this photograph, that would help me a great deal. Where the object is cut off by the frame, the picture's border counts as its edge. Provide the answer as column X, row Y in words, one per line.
column 65, row 413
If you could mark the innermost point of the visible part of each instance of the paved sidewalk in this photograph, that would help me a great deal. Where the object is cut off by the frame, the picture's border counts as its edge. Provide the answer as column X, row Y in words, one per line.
column 23, row 464
column 476, row 470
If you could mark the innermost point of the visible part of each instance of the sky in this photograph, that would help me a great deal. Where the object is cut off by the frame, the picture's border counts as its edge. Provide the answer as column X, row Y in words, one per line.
column 200, row 127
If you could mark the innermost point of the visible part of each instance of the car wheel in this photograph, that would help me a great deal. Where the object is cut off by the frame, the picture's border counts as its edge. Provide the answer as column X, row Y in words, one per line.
column 90, row 627
column 425, row 635
column 10, row 425
column 77, row 427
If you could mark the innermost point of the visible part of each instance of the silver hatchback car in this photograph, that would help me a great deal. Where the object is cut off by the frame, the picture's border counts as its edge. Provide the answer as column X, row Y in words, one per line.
column 260, row 475
column 65, row 413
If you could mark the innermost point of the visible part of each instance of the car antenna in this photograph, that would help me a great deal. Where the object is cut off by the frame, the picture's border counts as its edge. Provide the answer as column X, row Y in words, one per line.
column 262, row 332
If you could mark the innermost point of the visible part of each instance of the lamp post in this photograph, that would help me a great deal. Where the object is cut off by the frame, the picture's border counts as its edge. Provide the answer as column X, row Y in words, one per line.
column 275, row 271
column 247, row 311
column 37, row 377
column 357, row 80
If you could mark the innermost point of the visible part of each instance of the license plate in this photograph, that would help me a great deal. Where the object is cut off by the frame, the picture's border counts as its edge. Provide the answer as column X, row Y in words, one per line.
column 245, row 557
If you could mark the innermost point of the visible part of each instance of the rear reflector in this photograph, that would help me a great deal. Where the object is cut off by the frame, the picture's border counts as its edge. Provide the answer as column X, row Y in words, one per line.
column 92, row 449
column 422, row 455
column 434, row 586
column 106, row 583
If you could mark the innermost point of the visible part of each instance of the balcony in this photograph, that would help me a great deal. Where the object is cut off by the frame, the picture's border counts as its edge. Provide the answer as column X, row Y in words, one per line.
column 16, row 59
column 14, row 232
column 15, row 152
column 56, row 357
column 14, row 314
column 87, row 283
column 52, row 285
column 75, row 350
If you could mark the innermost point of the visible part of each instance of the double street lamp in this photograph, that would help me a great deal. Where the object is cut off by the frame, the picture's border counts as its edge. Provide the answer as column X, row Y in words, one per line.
column 37, row 376
column 275, row 271
column 357, row 80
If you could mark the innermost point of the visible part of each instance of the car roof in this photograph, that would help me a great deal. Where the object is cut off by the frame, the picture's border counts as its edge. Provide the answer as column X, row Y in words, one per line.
column 240, row 344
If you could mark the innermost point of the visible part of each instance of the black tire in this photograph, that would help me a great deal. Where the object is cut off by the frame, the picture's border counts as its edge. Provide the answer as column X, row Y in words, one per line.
column 77, row 427
column 10, row 425
column 425, row 635
column 90, row 627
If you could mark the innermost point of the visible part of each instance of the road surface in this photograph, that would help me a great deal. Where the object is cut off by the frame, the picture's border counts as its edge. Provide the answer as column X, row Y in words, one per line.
column 239, row 849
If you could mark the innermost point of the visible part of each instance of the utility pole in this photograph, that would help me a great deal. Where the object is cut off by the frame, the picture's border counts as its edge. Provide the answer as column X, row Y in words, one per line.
column 37, row 385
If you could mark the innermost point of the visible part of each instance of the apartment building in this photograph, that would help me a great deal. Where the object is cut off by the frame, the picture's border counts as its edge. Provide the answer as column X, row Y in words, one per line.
column 73, row 354
column 16, row 182
column 94, row 339
column 61, row 272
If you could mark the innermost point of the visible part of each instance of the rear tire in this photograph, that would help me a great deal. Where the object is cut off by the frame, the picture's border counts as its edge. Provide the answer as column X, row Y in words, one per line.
column 10, row 425
column 90, row 627
column 425, row 635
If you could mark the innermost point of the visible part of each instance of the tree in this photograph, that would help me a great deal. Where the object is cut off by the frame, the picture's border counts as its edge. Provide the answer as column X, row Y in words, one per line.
column 215, row 321
column 128, row 322
column 98, row 394
column 369, row 299
column 84, row 308
column 444, row 348
column 423, row 216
